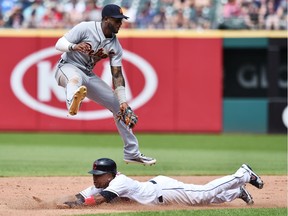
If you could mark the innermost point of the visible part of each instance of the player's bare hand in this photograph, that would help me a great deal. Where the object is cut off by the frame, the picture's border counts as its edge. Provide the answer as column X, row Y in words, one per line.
column 83, row 47
column 123, row 107
column 70, row 204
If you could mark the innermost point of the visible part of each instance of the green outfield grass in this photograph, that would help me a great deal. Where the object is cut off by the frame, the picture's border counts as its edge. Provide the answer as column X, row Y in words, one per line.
column 214, row 212
column 57, row 154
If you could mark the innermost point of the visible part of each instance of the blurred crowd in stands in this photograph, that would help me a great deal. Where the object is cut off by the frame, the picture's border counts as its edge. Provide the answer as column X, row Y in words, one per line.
column 149, row 14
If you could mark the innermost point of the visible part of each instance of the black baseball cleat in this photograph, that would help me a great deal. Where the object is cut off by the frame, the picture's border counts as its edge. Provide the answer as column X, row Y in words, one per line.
column 141, row 159
column 255, row 180
column 246, row 196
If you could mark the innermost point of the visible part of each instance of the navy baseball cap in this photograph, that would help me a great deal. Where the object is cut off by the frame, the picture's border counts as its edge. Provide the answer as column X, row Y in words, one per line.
column 112, row 10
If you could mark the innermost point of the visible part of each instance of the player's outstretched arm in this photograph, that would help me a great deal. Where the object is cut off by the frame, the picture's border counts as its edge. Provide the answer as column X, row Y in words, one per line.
column 79, row 201
column 95, row 200
column 71, row 202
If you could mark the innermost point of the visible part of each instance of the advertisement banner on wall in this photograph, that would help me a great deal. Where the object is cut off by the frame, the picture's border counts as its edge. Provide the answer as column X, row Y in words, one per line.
column 246, row 73
column 172, row 84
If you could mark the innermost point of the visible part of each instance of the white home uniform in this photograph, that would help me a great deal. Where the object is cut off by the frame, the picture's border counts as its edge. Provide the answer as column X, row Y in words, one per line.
column 79, row 66
column 165, row 190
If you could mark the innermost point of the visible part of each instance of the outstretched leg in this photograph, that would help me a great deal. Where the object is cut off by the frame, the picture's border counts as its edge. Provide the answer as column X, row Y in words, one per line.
column 101, row 93
column 226, row 188
column 230, row 195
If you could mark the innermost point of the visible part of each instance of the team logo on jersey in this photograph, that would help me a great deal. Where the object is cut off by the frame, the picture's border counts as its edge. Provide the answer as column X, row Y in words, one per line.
column 49, row 98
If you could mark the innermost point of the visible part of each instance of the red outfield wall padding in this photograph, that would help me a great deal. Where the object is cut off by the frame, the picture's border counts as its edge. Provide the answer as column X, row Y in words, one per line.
column 173, row 85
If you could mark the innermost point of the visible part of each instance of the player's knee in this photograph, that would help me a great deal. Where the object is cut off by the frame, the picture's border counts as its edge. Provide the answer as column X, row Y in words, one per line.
column 75, row 79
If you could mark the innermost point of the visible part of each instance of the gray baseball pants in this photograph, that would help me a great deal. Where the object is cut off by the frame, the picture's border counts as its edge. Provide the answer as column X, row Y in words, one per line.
column 71, row 78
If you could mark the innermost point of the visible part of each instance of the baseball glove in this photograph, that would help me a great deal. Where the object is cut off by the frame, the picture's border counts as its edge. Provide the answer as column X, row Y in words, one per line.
column 128, row 117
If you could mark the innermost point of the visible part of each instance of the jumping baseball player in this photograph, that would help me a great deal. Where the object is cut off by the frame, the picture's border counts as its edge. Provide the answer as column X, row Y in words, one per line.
column 83, row 46
column 110, row 184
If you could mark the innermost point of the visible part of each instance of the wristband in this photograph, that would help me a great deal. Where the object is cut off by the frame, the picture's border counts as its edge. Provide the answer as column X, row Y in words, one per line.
column 71, row 47
column 120, row 93
column 90, row 200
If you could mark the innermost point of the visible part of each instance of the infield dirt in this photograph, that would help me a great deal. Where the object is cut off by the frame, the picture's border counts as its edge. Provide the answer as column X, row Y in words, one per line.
column 17, row 196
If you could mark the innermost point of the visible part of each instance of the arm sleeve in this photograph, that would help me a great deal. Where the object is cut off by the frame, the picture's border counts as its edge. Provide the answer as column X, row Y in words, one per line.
column 74, row 36
column 63, row 45
column 108, row 195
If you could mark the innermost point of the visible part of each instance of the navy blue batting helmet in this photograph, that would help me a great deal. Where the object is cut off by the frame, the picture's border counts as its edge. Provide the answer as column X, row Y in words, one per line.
column 104, row 165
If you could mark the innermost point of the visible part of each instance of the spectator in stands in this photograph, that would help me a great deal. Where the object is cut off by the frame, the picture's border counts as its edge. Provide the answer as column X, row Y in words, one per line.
column 232, row 15
column 232, row 9
column 284, row 17
column 191, row 14
column 53, row 17
column 203, row 15
column 145, row 18
column 15, row 19
column 157, row 14
column 36, row 10
column 131, row 12
column 7, row 6
column 92, row 11
column 159, row 20
column 179, row 20
column 208, row 14
column 1, row 20
column 253, row 17
column 25, row 3
column 179, row 16
column 74, row 12
column 262, row 10
column 169, row 11
column 273, row 13
column 31, row 22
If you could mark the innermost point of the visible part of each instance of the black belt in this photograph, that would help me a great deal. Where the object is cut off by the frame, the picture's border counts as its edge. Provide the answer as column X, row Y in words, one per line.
column 160, row 198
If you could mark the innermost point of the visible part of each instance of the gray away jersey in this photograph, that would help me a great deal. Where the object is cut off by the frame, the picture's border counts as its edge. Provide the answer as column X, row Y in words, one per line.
column 91, row 32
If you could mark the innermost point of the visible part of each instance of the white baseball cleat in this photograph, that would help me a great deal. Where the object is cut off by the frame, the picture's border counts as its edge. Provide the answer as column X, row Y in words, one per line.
column 141, row 159
column 255, row 179
column 246, row 196
column 78, row 97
